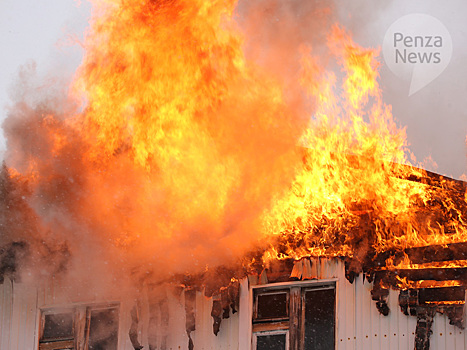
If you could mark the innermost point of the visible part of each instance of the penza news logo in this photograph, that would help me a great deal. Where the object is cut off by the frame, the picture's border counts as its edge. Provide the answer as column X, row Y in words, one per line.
column 417, row 47
column 403, row 47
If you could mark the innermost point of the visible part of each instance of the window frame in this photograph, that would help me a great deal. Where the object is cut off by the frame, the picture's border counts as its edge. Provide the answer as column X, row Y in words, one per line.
column 295, row 324
column 81, row 325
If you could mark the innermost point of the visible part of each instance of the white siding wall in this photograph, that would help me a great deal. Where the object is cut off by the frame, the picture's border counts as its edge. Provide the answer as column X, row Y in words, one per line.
column 359, row 324
column 361, row 327
column 6, row 311
column 18, row 310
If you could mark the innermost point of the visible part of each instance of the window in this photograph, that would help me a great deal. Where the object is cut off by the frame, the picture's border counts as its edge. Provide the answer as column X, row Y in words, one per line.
column 298, row 316
column 81, row 327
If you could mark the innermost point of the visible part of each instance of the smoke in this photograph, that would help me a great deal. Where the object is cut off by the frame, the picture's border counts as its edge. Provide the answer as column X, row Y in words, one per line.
column 90, row 214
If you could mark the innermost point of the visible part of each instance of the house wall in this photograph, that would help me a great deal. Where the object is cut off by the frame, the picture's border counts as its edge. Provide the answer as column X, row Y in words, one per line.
column 359, row 324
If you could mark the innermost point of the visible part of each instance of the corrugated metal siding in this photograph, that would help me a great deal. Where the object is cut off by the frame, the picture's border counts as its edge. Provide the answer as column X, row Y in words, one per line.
column 359, row 324
column 24, row 317
column 6, row 310
column 204, row 338
column 18, row 312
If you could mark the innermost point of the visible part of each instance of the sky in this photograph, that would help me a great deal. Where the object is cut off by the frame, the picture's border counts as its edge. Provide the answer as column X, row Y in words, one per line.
column 46, row 34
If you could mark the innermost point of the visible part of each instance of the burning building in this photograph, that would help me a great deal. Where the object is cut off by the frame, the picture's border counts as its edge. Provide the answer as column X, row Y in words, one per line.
column 187, row 193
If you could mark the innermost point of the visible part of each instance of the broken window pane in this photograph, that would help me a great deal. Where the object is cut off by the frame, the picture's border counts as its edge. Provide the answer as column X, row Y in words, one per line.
column 320, row 319
column 103, row 329
column 58, row 326
column 272, row 305
column 271, row 342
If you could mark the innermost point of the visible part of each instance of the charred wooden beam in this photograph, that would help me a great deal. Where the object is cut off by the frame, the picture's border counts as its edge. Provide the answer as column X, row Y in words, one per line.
column 295, row 318
column 454, row 251
column 435, row 274
column 429, row 178
column 448, row 300
column 445, row 182
column 433, row 295
column 421, row 255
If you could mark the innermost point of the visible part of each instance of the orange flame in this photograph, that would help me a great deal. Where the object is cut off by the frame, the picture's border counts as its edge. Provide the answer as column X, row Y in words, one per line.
column 403, row 283
column 188, row 152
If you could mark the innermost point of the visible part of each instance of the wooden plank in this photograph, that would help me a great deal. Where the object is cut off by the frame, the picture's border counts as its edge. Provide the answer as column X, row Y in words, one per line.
column 61, row 345
column 295, row 317
column 426, row 295
column 454, row 251
column 263, row 327
column 427, row 254
column 441, row 274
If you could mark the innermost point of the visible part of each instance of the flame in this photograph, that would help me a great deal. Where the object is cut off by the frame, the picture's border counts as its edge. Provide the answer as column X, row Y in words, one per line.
column 404, row 284
column 352, row 193
column 409, row 265
column 447, row 302
column 186, row 153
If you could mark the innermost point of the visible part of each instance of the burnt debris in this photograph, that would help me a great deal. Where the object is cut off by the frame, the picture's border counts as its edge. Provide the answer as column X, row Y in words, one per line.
column 216, row 313
column 424, row 331
column 11, row 255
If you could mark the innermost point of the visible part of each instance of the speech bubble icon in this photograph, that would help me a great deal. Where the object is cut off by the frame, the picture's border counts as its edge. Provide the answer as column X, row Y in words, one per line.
column 417, row 47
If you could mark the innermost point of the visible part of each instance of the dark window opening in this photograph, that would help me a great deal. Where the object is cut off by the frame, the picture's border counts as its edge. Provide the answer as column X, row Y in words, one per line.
column 58, row 326
column 103, row 330
column 271, row 342
column 320, row 319
column 272, row 305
